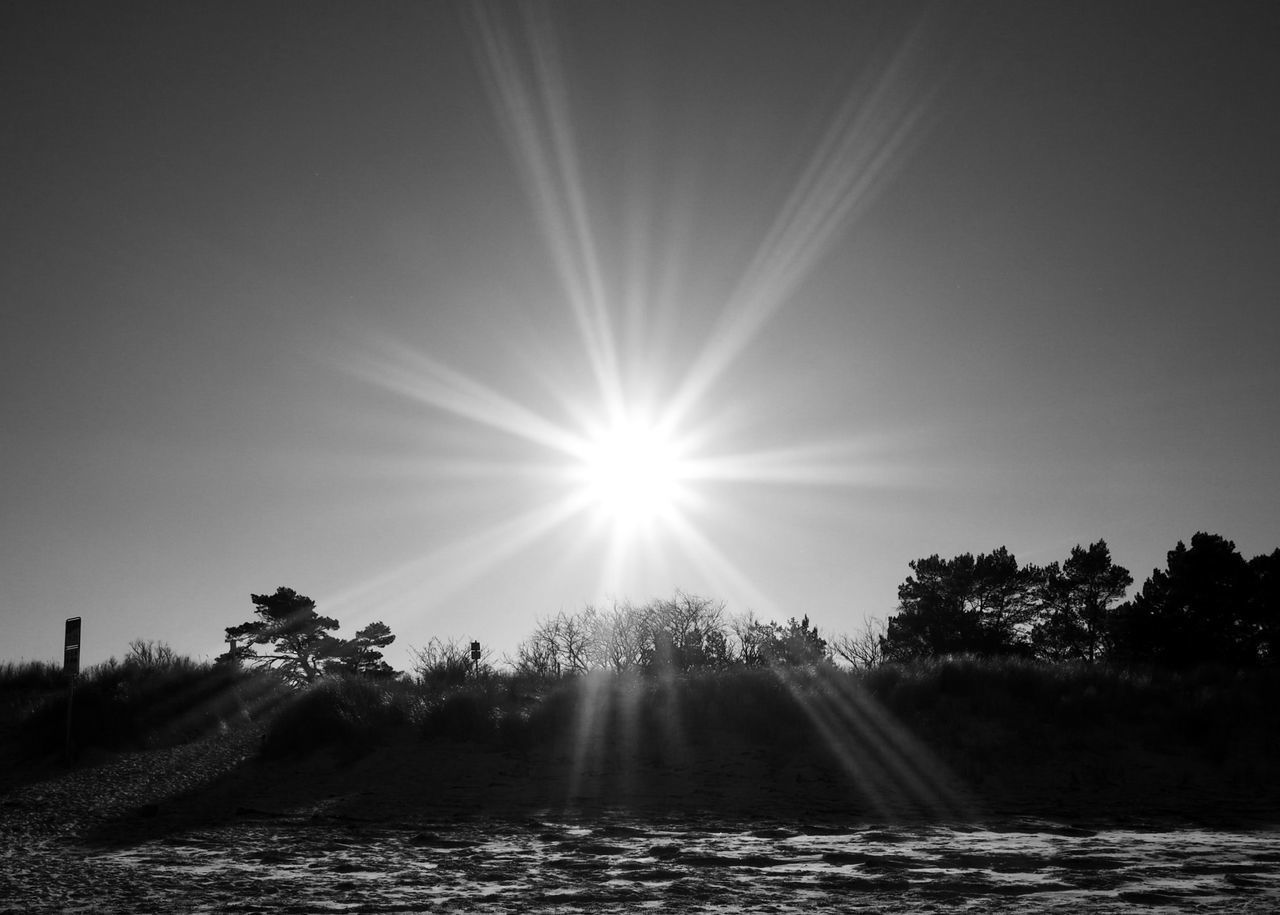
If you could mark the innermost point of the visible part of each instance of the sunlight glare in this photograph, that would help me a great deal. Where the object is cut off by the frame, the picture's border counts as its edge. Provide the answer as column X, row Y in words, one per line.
column 636, row 446
column 633, row 473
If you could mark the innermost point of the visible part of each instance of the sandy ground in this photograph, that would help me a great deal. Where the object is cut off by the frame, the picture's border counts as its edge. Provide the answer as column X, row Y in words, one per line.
column 422, row 827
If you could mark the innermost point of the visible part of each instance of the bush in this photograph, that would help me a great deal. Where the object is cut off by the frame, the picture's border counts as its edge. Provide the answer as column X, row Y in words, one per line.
column 31, row 676
column 1040, row 709
column 463, row 714
column 447, row 663
column 348, row 714
column 130, row 705
column 25, row 685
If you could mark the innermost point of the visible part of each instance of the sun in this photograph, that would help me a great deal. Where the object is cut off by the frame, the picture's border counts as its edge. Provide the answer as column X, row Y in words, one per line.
column 627, row 432
column 632, row 473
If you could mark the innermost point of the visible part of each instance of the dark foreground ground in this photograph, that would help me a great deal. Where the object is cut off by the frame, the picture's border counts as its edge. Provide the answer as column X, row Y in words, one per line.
column 424, row 826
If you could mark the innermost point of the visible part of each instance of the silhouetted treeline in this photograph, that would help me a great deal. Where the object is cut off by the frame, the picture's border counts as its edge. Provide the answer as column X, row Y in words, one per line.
column 681, row 633
column 301, row 643
column 1210, row 606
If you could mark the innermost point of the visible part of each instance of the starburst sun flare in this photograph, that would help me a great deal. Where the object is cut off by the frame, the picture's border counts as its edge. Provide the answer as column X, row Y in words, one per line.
column 638, row 475
column 633, row 473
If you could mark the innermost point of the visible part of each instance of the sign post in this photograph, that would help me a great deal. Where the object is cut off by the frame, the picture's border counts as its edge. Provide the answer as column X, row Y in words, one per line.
column 475, row 658
column 71, row 648
column 71, row 667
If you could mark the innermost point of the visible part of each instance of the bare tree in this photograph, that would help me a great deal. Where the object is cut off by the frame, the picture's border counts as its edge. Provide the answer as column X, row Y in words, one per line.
column 536, row 658
column 682, row 632
column 446, row 662
column 752, row 636
column 685, row 631
column 151, row 655
column 559, row 645
column 863, row 648
column 574, row 634
column 616, row 639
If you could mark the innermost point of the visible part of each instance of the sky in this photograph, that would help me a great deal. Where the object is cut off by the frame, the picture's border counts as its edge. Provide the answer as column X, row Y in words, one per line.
column 458, row 316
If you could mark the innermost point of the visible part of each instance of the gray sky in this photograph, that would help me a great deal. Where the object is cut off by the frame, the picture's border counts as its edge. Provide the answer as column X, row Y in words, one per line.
column 340, row 297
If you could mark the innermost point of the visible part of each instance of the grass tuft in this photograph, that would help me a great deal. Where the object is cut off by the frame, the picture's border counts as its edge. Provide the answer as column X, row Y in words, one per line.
column 993, row 722
column 118, row 706
column 347, row 714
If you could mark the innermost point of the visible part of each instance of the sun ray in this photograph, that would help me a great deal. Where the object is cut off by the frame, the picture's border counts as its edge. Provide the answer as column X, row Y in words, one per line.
column 529, row 95
column 636, row 464
column 414, row 375
column 816, row 464
column 446, row 571
column 862, row 146
column 891, row 768
column 721, row 571
column 594, row 707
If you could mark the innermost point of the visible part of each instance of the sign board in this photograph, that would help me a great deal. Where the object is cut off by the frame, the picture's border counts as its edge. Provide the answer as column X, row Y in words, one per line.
column 475, row 651
column 71, row 648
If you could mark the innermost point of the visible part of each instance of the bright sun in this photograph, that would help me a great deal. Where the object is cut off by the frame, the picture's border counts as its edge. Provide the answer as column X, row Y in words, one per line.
column 632, row 473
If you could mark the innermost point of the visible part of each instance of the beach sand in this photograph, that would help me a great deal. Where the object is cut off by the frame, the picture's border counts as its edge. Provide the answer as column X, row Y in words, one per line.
column 420, row 825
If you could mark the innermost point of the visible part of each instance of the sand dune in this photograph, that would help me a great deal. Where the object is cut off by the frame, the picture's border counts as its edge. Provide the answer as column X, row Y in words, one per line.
column 441, row 826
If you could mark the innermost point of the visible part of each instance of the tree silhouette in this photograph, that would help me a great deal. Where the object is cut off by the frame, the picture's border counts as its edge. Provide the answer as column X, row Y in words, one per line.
column 1077, row 599
column 360, row 655
column 983, row 605
column 618, row 635
column 865, row 648
column 1208, row 606
column 298, row 635
column 682, row 633
column 1198, row 611
column 1263, row 610
column 795, row 644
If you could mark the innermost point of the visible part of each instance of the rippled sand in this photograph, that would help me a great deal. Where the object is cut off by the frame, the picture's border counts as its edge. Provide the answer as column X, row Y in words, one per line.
column 208, row 828
column 318, row 865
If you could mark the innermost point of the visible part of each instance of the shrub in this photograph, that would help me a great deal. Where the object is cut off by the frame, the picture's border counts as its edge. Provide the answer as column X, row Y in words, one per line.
column 31, row 676
column 462, row 714
column 25, row 685
column 132, row 704
column 349, row 714
column 447, row 663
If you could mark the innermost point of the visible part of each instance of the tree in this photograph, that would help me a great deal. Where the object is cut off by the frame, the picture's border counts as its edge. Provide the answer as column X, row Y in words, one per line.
column 931, row 619
column 865, row 648
column 983, row 605
column 1195, row 612
column 1077, row 601
column 616, row 640
column 559, row 645
column 536, row 657
column 300, row 638
column 152, row 655
column 683, row 632
column 361, row 655
column 1263, row 609
column 797, row 644
column 752, row 636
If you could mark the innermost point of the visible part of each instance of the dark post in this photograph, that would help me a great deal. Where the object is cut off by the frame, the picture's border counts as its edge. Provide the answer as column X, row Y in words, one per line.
column 71, row 667
column 71, row 648
column 475, row 658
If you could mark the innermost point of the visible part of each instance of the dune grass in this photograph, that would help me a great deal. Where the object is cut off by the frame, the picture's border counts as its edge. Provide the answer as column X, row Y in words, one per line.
column 118, row 706
column 985, row 719
column 18, row 676
column 1207, row 710
column 974, row 712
